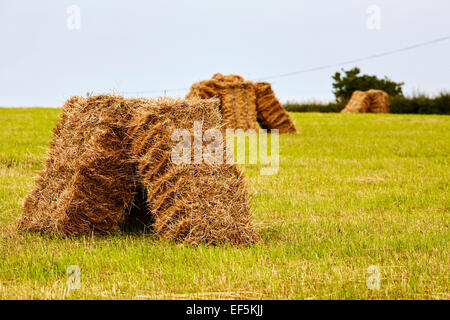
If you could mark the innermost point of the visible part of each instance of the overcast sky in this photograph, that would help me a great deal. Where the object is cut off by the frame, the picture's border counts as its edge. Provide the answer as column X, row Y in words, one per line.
column 128, row 46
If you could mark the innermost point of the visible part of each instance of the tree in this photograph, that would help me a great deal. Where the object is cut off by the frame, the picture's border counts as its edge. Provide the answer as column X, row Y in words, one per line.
column 351, row 81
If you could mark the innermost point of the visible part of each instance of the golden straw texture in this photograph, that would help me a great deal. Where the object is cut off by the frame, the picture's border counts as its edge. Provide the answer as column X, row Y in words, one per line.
column 193, row 203
column 87, row 183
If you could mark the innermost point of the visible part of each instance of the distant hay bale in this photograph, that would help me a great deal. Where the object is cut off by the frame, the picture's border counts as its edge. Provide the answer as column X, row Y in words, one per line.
column 87, row 184
column 193, row 203
column 237, row 99
column 358, row 103
column 244, row 103
column 270, row 113
column 379, row 101
column 374, row 101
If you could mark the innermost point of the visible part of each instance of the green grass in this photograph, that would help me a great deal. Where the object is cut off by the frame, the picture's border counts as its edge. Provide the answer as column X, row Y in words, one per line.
column 352, row 191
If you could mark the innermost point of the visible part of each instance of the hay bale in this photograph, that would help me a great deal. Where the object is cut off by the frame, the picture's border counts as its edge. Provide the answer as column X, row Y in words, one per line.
column 379, row 101
column 244, row 104
column 109, row 164
column 204, row 90
column 270, row 113
column 358, row 103
column 87, row 184
column 237, row 99
column 193, row 203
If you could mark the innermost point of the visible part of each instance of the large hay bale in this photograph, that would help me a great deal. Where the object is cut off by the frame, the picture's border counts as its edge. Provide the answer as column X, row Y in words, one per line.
column 270, row 112
column 109, row 164
column 194, row 203
column 87, row 184
column 379, row 101
column 358, row 103
column 374, row 101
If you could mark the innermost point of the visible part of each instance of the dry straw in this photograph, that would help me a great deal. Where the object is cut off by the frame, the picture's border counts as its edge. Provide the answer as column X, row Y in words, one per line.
column 244, row 103
column 271, row 114
column 237, row 99
column 374, row 101
column 379, row 101
column 194, row 203
column 109, row 165
column 87, row 184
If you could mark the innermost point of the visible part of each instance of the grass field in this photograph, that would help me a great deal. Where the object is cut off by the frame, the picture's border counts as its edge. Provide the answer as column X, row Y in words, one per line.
column 352, row 191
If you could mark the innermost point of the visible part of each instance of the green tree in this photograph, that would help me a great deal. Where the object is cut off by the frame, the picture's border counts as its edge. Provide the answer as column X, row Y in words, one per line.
column 344, row 85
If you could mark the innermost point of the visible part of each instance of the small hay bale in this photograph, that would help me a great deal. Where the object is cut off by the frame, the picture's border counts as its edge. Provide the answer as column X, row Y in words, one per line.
column 379, row 101
column 87, row 183
column 192, row 203
column 270, row 113
column 358, row 103
column 374, row 101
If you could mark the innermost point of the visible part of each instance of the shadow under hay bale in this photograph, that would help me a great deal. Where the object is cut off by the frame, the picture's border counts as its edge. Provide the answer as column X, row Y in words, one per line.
column 192, row 203
column 374, row 101
column 138, row 218
column 88, row 183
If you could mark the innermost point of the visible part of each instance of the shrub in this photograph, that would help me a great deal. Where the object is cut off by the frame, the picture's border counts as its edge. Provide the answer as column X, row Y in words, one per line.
column 345, row 85
column 421, row 104
column 418, row 104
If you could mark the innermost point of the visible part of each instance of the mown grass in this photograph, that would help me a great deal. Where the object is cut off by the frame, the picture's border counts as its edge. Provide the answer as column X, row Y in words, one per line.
column 352, row 191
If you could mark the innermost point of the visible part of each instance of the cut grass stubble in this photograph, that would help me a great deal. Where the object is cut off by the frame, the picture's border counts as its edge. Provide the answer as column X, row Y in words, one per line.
column 352, row 191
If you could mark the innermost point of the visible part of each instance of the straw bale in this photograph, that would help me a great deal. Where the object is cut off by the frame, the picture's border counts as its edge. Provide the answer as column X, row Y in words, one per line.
column 375, row 101
column 358, row 103
column 192, row 203
column 244, row 103
column 379, row 101
column 87, row 184
column 237, row 99
column 270, row 113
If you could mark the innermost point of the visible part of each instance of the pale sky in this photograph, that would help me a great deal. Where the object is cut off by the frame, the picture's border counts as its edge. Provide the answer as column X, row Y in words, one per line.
column 129, row 46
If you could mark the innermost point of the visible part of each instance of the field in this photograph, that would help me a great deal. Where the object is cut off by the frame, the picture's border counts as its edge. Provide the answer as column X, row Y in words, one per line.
column 352, row 191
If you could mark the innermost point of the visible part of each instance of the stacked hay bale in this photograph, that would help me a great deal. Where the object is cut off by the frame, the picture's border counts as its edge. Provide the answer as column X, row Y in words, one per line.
column 358, row 103
column 244, row 103
column 110, row 155
column 375, row 101
column 271, row 114
column 237, row 99
column 379, row 101
column 195, row 203
column 87, row 183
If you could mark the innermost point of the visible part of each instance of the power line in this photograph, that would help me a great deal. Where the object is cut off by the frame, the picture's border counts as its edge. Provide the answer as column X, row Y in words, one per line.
column 373, row 56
